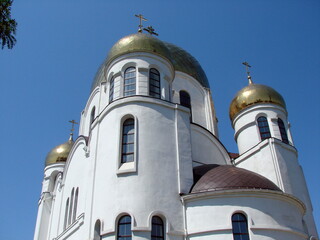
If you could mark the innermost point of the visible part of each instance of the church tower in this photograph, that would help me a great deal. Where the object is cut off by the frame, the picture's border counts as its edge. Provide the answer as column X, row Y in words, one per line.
column 262, row 131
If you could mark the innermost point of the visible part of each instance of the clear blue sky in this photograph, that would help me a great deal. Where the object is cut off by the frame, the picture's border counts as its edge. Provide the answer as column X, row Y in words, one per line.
column 46, row 78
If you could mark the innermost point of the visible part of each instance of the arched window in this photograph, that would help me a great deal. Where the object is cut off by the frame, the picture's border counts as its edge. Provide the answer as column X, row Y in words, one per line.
column 157, row 230
column 129, row 82
column 124, row 228
column 240, row 227
column 75, row 205
column 92, row 115
column 66, row 215
column 97, row 230
column 111, row 89
column 71, row 207
column 283, row 132
column 154, row 83
column 185, row 99
column 263, row 128
column 127, row 141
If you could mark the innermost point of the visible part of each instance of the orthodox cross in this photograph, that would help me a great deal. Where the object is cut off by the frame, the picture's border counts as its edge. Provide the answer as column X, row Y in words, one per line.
column 73, row 122
column 141, row 18
column 150, row 30
column 248, row 72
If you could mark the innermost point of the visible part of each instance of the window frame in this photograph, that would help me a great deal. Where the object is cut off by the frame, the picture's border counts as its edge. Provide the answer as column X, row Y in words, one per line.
column 152, row 83
column 262, row 126
column 75, row 205
column 157, row 237
column 131, row 132
column 92, row 115
column 127, row 78
column 283, row 131
column 243, row 227
column 120, row 237
column 111, row 89
column 65, row 224
column 127, row 167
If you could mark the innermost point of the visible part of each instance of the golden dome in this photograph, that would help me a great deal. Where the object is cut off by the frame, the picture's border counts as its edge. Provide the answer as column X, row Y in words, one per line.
column 59, row 153
column 140, row 42
column 254, row 94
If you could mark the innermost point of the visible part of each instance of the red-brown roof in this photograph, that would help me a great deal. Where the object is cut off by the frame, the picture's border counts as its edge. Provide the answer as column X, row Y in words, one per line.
column 214, row 177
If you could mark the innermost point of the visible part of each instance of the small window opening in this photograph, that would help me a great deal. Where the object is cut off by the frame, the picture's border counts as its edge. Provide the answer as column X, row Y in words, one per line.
column 263, row 128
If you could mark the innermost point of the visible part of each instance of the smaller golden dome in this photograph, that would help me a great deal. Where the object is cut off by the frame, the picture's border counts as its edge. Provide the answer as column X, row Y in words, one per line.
column 254, row 94
column 59, row 153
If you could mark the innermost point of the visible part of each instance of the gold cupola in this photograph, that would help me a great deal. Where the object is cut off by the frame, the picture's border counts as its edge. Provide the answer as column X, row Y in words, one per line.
column 254, row 94
column 59, row 153
column 180, row 59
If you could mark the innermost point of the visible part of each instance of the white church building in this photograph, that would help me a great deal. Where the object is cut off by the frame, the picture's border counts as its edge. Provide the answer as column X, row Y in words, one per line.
column 148, row 163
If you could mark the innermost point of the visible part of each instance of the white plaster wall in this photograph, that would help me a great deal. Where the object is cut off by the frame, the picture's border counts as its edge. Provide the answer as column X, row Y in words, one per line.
column 163, row 166
column 200, row 104
column 270, row 215
column 246, row 129
column 206, row 148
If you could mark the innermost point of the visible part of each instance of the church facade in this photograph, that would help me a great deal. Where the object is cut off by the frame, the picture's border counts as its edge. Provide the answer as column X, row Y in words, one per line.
column 148, row 163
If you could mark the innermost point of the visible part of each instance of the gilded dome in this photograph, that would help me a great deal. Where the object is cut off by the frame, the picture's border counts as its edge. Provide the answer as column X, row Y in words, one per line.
column 140, row 42
column 254, row 94
column 59, row 153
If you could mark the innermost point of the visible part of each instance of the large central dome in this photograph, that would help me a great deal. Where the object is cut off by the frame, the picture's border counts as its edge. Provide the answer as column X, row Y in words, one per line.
column 139, row 42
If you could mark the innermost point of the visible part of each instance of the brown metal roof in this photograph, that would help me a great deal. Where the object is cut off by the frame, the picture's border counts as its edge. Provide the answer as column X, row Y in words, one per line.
column 224, row 177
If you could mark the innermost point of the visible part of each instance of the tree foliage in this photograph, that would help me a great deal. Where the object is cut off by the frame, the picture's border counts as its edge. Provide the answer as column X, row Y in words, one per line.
column 7, row 25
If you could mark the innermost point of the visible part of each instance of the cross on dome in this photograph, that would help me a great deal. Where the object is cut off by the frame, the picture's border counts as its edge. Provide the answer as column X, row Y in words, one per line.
column 141, row 18
column 150, row 30
column 248, row 72
column 73, row 122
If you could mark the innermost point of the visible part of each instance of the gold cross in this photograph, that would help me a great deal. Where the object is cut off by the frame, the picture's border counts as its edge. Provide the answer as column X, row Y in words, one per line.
column 73, row 122
column 150, row 30
column 248, row 72
column 140, row 16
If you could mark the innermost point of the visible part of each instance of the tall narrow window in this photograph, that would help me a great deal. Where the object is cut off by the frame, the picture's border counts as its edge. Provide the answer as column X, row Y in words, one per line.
column 92, row 115
column 127, row 141
column 75, row 205
column 97, row 230
column 154, row 83
column 157, row 230
column 240, row 227
column 71, row 207
column 283, row 132
column 111, row 89
column 263, row 128
column 185, row 99
column 124, row 228
column 66, row 215
column 129, row 82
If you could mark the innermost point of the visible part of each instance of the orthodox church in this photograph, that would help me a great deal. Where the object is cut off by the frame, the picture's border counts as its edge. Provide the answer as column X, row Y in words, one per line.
column 148, row 163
